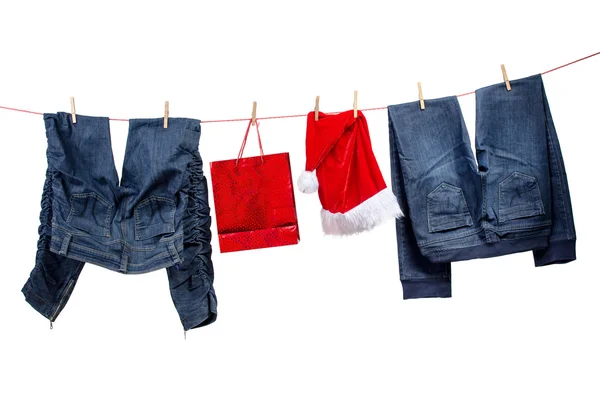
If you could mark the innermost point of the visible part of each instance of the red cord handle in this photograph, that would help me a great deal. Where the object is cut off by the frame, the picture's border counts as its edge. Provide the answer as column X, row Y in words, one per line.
column 262, row 154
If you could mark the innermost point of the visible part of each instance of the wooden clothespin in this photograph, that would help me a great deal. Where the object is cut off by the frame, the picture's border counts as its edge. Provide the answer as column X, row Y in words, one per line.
column 355, row 103
column 505, row 76
column 253, row 113
column 317, row 108
column 166, row 121
column 73, row 115
column 421, row 101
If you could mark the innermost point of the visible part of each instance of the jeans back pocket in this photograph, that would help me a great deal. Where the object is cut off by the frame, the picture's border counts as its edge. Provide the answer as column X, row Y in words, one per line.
column 447, row 209
column 519, row 197
column 154, row 216
column 90, row 213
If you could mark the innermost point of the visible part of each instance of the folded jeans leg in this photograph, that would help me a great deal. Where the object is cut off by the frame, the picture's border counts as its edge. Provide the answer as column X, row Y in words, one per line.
column 420, row 277
column 561, row 244
column 54, row 276
column 191, row 282
column 193, row 293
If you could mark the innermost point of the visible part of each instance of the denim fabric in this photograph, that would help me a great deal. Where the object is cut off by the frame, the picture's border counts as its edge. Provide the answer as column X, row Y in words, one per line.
column 157, row 216
column 514, row 198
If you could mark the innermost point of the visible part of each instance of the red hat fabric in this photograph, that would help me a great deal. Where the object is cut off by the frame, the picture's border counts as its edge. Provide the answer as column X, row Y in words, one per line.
column 340, row 163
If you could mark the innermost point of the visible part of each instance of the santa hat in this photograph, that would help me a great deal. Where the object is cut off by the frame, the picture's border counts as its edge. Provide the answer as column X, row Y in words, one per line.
column 340, row 163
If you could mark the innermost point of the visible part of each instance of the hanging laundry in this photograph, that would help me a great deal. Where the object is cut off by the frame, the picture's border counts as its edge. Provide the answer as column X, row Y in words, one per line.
column 254, row 201
column 157, row 217
column 340, row 164
column 513, row 197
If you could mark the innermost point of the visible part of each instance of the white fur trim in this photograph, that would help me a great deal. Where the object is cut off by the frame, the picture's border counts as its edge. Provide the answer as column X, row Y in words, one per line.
column 363, row 217
column 307, row 182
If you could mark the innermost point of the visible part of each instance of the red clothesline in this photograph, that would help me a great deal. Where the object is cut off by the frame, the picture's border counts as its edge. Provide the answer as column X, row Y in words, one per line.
column 304, row 115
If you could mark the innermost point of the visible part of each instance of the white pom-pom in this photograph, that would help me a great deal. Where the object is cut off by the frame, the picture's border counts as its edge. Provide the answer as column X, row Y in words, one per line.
column 307, row 182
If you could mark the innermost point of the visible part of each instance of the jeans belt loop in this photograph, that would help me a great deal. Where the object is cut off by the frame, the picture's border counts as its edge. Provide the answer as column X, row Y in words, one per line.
column 65, row 244
column 174, row 253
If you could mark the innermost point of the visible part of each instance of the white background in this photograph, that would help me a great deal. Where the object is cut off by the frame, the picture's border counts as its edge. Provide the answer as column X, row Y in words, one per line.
column 324, row 319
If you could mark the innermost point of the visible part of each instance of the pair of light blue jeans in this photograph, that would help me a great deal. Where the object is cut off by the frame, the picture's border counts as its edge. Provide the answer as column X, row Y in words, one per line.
column 512, row 197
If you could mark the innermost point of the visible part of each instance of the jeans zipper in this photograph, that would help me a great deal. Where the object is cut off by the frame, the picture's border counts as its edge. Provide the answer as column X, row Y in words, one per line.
column 62, row 299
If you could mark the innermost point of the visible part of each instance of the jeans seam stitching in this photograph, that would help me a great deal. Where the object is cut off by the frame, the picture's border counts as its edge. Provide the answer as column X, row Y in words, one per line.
column 439, row 250
column 563, row 210
column 32, row 292
column 461, row 236
column 523, row 226
column 115, row 241
column 158, row 256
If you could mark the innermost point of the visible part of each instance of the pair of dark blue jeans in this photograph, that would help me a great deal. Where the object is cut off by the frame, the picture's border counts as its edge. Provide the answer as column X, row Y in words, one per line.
column 157, row 217
column 514, row 198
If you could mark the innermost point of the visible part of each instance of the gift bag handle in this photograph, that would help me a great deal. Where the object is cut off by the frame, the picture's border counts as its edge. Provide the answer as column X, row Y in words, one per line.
column 244, row 144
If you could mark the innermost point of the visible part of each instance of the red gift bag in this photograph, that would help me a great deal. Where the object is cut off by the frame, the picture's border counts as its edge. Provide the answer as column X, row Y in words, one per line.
column 254, row 201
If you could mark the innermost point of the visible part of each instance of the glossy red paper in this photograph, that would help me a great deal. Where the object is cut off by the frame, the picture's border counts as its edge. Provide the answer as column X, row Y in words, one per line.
column 254, row 202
